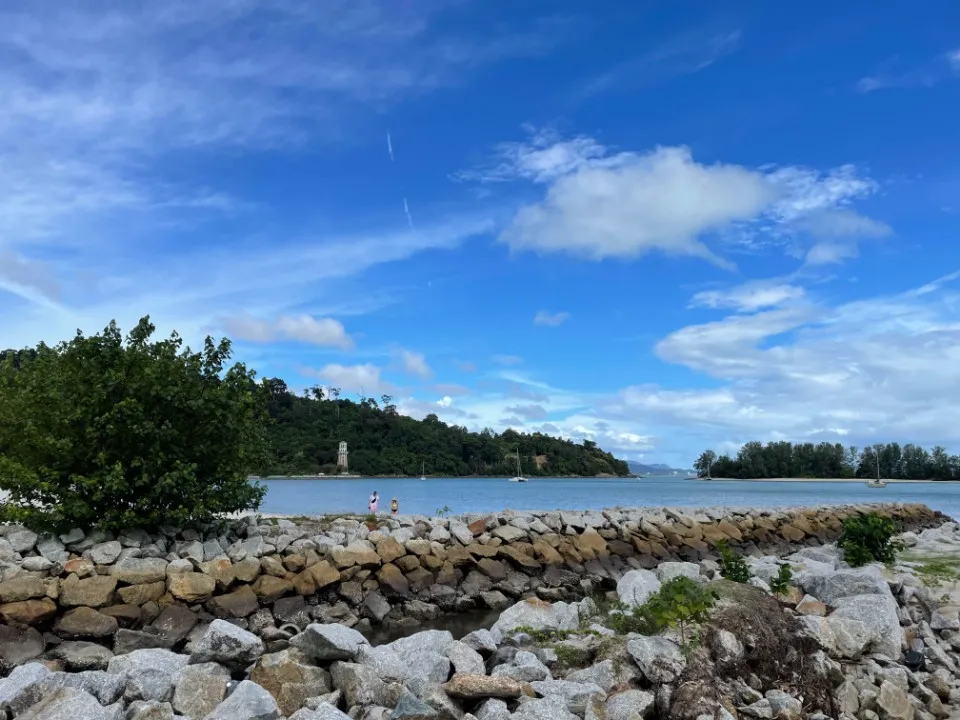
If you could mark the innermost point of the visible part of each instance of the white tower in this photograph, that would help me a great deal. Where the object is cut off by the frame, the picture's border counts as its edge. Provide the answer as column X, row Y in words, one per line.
column 342, row 456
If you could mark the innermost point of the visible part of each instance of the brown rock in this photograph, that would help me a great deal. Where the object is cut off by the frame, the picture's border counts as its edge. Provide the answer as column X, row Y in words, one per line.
column 418, row 546
column 81, row 567
column 477, row 687
column 315, row 577
column 431, row 562
column 271, row 565
column 142, row 594
column 392, row 579
column 174, row 624
column 458, row 556
column 295, row 563
column 95, row 592
column 269, row 588
column 407, row 563
column 546, row 553
column 809, row 605
column 477, row 527
column 191, row 587
column 127, row 616
column 480, row 550
column 28, row 612
column 247, row 570
column 389, row 550
column 590, row 544
column 520, row 558
column 240, row 603
column 419, row 579
column 492, row 569
column 619, row 547
column 354, row 554
column 447, row 575
column 220, row 570
column 22, row 588
column 729, row 529
column 85, row 622
column 792, row 533
column 276, row 672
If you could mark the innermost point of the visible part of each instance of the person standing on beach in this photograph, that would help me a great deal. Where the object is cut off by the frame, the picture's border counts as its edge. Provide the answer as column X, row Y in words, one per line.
column 394, row 507
column 374, row 501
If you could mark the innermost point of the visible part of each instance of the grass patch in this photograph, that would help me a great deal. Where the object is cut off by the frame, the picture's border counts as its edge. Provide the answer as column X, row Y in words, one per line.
column 937, row 570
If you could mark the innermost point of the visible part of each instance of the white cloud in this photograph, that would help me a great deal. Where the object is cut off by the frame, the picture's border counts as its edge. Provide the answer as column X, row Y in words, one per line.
column 301, row 328
column 549, row 319
column 602, row 204
column 749, row 297
column 352, row 378
column 953, row 58
column 415, row 363
column 507, row 359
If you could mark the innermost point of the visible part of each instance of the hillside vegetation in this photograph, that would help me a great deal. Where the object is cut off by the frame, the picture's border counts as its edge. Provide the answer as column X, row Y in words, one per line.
column 305, row 432
column 831, row 460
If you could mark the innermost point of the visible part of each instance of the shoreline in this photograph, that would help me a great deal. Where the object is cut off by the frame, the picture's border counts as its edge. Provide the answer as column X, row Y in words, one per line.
column 861, row 481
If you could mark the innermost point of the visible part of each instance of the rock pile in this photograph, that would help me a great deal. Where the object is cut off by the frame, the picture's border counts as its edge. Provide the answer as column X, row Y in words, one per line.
column 545, row 661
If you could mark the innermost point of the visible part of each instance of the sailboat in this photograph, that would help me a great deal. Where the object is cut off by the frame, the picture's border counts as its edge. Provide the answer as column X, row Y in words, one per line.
column 878, row 483
column 519, row 477
column 423, row 474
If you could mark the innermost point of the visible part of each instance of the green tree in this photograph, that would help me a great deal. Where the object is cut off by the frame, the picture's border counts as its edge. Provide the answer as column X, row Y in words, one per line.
column 704, row 463
column 102, row 431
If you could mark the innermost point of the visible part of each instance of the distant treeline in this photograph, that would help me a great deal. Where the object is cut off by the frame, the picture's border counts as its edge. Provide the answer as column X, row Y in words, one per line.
column 826, row 460
column 304, row 433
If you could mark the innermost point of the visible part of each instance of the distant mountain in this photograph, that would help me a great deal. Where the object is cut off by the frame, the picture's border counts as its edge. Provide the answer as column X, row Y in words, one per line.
column 656, row 469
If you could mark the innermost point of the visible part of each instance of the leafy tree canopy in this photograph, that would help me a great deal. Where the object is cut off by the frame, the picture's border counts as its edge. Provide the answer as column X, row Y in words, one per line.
column 831, row 460
column 306, row 431
column 113, row 432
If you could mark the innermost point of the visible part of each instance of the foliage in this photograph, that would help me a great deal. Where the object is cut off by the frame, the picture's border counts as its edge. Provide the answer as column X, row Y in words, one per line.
column 936, row 570
column 102, row 431
column 305, row 432
column 551, row 634
column 781, row 582
column 732, row 566
column 831, row 460
column 868, row 538
column 442, row 512
column 678, row 603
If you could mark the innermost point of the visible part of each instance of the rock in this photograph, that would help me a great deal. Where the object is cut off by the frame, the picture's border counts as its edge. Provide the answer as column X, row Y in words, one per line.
column 23, row 687
column 36, row 564
column 478, row 687
column 269, row 588
column 465, row 659
column 761, row 709
column 174, row 623
column 361, row 685
column 784, row 706
column 629, row 705
column 376, row 606
column 945, row 618
column 329, row 642
column 636, row 586
column 226, row 643
column 199, row 689
column 240, row 603
column 893, row 703
column 601, row 674
column 493, row 709
column 576, row 696
column 726, row 647
column 94, row 592
column 550, row 708
column 525, row 667
column 879, row 614
column 841, row 637
column 105, row 553
column 139, row 571
column 538, row 615
column 410, row 708
column 356, row 553
column 52, row 549
column 18, row 646
column 22, row 588
column 78, row 655
column 248, row 701
column 658, row 658
column 142, row 594
column 830, row 587
column 483, row 641
column 290, row 678
column 22, row 540
column 85, row 622
column 149, row 710
column 667, row 571
column 67, row 704
column 323, row 711
column 191, row 587
column 393, row 580
column 847, row 699
column 292, row 610
column 809, row 605
column 28, row 612
column 317, row 576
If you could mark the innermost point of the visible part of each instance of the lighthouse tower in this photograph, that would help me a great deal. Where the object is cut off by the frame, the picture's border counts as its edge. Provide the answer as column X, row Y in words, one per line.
column 342, row 457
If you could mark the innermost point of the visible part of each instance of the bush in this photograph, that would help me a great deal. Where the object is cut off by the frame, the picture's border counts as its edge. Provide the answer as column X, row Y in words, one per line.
column 732, row 566
column 104, row 432
column 678, row 603
column 868, row 538
column 781, row 582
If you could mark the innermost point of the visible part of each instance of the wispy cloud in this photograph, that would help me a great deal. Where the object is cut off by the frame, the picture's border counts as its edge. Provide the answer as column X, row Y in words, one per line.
column 415, row 363
column 389, row 147
column 896, row 72
column 549, row 319
column 406, row 211
column 507, row 359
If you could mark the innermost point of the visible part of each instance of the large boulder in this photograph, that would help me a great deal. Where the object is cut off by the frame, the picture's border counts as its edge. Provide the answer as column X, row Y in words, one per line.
column 658, row 658
column 199, row 689
column 831, row 586
column 841, row 637
column 19, row 646
column 879, row 614
column 248, row 701
column 95, row 592
column 636, row 586
column 227, row 644
column 538, row 615
column 329, row 642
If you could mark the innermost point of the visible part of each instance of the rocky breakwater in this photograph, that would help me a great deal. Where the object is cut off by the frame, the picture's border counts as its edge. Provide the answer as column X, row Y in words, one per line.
column 111, row 594
column 832, row 645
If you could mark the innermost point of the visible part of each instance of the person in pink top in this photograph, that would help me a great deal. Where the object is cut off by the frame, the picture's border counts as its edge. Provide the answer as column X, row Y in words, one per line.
column 374, row 501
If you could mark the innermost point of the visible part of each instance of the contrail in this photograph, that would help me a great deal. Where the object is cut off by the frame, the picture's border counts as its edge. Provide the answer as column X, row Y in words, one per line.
column 406, row 209
column 389, row 147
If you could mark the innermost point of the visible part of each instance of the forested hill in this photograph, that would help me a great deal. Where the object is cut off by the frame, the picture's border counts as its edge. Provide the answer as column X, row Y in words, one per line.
column 305, row 432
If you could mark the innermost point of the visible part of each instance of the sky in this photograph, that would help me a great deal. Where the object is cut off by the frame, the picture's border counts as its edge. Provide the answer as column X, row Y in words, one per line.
column 662, row 226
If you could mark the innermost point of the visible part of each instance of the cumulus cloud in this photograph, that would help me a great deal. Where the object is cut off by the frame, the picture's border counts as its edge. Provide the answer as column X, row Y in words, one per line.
column 415, row 363
column 549, row 319
column 599, row 203
column 299, row 328
column 352, row 378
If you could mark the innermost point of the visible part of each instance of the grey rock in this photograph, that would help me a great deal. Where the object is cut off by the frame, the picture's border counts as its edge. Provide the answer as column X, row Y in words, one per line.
column 361, row 686
column 38, row 564
column 831, row 587
column 226, row 643
column 149, row 710
column 843, row 638
column 52, row 549
column 525, row 667
column 669, row 570
column 248, row 701
column 726, row 646
column 761, row 709
column 67, row 704
column 19, row 646
column 548, row 708
column 636, row 586
column 576, row 696
column 893, row 703
column 150, row 673
column 23, row 687
column 602, row 675
column 105, row 553
column 659, row 659
column 329, row 642
column 376, row 606
column 411, row 708
column 139, row 571
column 22, row 540
column 493, row 709
column 879, row 614
column 629, row 705
column 72, row 537
column 384, row 661
column 483, row 641
column 465, row 659
column 199, row 689
column 784, row 706
column 80, row 655
column 538, row 615
column 323, row 711
column 945, row 618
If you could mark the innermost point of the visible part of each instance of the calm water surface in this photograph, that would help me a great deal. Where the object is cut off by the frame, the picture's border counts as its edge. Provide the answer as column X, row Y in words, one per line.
column 465, row 495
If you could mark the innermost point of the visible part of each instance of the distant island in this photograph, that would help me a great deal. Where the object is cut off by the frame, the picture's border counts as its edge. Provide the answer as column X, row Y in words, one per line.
column 783, row 459
column 304, row 433
column 638, row 468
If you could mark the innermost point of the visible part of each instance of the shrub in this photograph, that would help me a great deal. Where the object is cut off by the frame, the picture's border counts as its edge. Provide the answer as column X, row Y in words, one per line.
column 868, row 538
column 732, row 566
column 781, row 582
column 678, row 603
column 102, row 431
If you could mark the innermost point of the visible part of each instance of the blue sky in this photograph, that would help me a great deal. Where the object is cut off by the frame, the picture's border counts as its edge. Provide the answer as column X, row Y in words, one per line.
column 662, row 226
